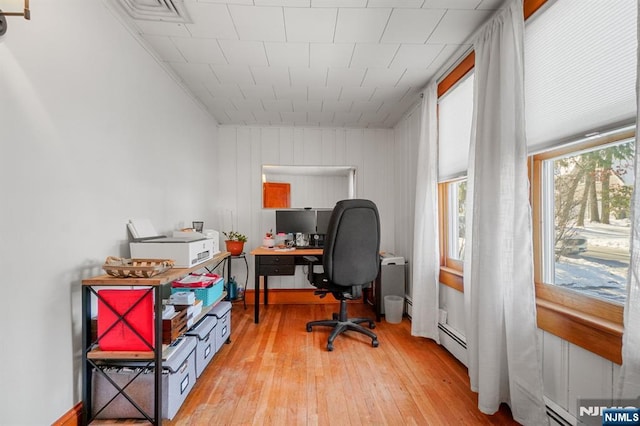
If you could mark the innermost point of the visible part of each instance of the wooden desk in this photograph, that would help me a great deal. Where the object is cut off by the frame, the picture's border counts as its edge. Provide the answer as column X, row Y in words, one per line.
column 273, row 262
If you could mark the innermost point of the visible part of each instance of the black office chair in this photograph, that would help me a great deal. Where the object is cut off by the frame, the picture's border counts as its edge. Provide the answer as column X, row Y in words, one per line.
column 351, row 261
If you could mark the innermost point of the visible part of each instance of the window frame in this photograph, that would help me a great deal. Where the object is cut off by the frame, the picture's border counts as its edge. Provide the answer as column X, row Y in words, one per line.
column 450, row 269
column 593, row 324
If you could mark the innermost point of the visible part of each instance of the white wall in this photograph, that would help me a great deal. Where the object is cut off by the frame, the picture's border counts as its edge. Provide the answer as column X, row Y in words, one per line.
column 569, row 372
column 92, row 132
column 243, row 150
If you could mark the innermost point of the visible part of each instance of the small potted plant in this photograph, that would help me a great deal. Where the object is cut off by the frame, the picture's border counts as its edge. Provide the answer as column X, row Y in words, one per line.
column 235, row 242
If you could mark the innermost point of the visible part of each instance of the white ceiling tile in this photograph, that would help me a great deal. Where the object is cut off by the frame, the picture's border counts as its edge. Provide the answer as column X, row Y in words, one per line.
column 211, row 20
column 267, row 117
column 452, row 4
column 351, row 93
column 381, row 77
column 411, row 25
column 226, row 1
column 258, row 23
column 224, row 90
column 491, row 4
column 228, row 74
column 297, row 93
column 416, row 55
column 389, row 93
column 373, row 55
column 271, row 76
column 447, row 52
column 301, row 76
column 329, row 93
column 361, row 25
column 161, row 28
column 257, row 92
column 366, row 106
column 294, row 117
column 310, row 24
column 247, row 104
column 320, row 117
column 337, row 106
column 345, row 76
column 244, row 117
column 373, row 117
column 287, row 54
column 338, row 3
column 347, row 118
column 330, row 54
column 415, row 77
column 244, row 52
column 279, row 105
column 457, row 25
column 307, row 106
column 395, row 3
column 164, row 47
column 194, row 72
column 221, row 103
column 284, row 3
column 200, row 50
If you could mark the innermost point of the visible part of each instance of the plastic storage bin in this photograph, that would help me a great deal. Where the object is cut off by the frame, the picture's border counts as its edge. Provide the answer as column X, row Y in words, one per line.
column 222, row 311
column 204, row 332
column 208, row 295
column 394, row 308
column 178, row 378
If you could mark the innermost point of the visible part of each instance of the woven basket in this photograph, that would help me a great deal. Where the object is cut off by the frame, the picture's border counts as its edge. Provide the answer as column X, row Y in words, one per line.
column 140, row 268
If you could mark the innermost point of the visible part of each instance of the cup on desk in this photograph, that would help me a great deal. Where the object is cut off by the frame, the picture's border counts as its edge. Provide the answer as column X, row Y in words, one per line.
column 197, row 225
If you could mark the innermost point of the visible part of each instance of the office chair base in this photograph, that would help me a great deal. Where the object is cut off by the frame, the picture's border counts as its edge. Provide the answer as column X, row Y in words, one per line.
column 340, row 323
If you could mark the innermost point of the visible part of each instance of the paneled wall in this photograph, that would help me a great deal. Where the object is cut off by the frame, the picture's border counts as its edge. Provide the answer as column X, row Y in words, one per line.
column 569, row 372
column 242, row 151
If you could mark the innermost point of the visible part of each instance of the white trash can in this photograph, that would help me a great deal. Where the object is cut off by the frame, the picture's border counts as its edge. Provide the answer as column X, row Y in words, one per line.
column 393, row 308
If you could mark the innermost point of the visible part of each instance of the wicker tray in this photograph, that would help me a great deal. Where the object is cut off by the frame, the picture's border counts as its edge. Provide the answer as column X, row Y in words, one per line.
column 140, row 268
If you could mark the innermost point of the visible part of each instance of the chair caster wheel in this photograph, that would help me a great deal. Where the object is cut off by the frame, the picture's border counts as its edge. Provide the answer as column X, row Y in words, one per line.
column 334, row 316
column 308, row 328
column 372, row 325
column 330, row 347
column 375, row 343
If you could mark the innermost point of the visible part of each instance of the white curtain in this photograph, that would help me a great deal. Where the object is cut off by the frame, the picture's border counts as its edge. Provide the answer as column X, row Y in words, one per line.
column 629, row 383
column 426, row 255
column 503, row 357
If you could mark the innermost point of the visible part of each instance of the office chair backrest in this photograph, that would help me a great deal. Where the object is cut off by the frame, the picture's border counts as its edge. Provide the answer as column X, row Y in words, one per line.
column 352, row 243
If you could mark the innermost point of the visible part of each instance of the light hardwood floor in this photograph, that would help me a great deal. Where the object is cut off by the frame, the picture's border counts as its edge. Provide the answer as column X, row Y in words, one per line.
column 276, row 373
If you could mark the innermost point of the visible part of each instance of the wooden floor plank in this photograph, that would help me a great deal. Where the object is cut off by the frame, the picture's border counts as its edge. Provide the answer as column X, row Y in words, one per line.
column 276, row 373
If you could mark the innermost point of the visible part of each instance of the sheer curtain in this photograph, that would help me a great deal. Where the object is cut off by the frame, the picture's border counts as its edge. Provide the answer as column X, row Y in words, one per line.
column 504, row 364
column 630, row 372
column 426, row 256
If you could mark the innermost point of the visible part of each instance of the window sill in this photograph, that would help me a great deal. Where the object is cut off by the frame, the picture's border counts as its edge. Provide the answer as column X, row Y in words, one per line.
column 595, row 334
column 452, row 278
column 600, row 334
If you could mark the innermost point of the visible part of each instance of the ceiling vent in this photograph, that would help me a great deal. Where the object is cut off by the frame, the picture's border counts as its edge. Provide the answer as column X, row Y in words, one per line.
column 156, row 10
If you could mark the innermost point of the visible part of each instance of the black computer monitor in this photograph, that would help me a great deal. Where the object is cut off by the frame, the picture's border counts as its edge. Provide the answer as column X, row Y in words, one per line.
column 292, row 221
column 322, row 220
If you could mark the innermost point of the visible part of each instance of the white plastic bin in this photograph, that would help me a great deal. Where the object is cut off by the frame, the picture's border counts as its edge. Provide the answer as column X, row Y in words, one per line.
column 393, row 308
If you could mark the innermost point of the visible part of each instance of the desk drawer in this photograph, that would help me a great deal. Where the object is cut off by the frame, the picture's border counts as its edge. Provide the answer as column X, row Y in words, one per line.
column 277, row 269
column 277, row 260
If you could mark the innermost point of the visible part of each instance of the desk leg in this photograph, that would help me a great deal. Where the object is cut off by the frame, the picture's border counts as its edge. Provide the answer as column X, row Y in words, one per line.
column 377, row 297
column 266, row 290
column 256, row 296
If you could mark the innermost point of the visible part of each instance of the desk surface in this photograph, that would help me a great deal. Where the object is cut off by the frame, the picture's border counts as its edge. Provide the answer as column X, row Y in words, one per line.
column 263, row 251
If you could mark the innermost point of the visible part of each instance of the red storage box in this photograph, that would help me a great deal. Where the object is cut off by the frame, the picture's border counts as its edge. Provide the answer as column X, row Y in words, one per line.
column 138, row 306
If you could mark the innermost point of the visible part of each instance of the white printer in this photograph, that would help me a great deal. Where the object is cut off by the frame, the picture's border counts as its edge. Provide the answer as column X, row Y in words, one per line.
column 186, row 251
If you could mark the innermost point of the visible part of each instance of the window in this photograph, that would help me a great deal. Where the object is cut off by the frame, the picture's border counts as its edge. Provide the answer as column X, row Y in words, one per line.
column 457, row 194
column 586, row 199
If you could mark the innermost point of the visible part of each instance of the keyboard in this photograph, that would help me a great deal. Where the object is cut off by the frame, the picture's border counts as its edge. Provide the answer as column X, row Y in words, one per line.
column 309, row 248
